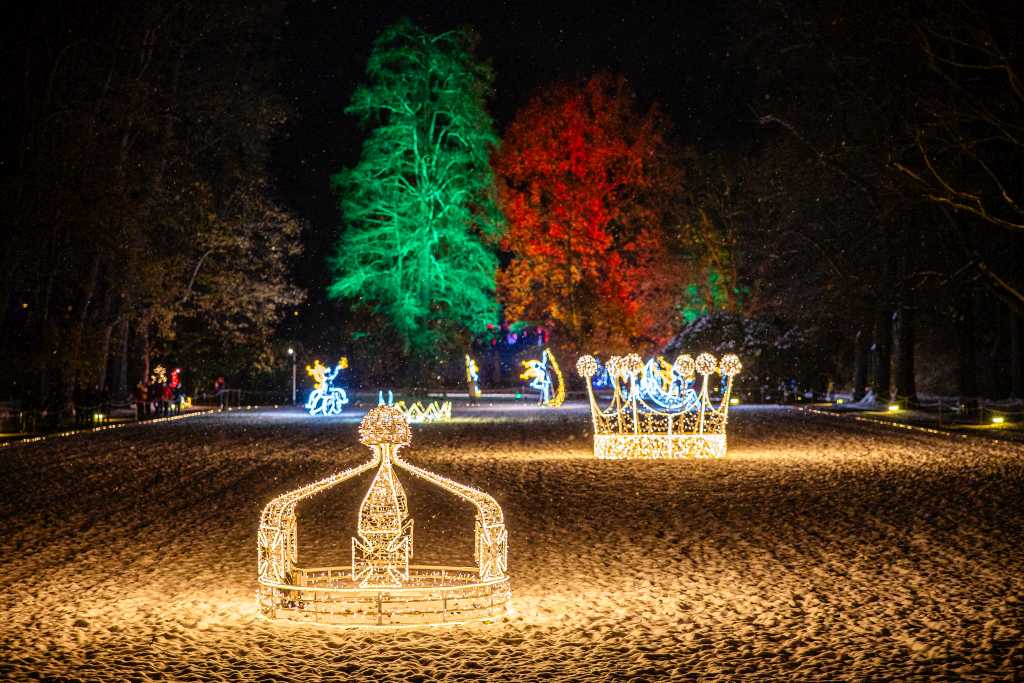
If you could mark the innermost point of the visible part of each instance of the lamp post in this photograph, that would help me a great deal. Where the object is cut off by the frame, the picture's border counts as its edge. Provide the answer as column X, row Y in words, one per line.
column 291, row 352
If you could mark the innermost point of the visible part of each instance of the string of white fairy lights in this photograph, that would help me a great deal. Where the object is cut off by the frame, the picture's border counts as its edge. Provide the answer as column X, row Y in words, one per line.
column 118, row 425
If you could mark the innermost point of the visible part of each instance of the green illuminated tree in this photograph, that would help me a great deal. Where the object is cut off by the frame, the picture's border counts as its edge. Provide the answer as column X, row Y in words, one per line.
column 418, row 209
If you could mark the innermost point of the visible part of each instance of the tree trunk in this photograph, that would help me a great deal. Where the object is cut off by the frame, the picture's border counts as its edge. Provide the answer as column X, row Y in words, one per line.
column 883, row 354
column 103, row 362
column 906, row 387
column 860, row 364
column 1016, row 356
column 967, row 380
column 121, row 386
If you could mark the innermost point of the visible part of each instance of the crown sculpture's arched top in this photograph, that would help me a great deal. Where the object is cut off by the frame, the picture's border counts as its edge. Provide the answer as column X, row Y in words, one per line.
column 380, row 586
column 656, row 410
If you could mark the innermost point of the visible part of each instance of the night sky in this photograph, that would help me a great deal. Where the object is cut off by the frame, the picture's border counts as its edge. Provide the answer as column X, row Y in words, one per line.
column 675, row 54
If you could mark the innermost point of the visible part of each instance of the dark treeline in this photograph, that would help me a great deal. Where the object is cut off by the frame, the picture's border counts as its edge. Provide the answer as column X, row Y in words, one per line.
column 866, row 210
column 137, row 219
column 879, row 206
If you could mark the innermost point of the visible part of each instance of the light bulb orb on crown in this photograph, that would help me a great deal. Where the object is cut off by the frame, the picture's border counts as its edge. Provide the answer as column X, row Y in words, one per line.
column 380, row 587
column 641, row 421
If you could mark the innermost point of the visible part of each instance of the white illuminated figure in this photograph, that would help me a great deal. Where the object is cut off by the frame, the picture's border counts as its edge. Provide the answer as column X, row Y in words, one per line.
column 326, row 399
column 546, row 377
column 654, row 413
column 379, row 586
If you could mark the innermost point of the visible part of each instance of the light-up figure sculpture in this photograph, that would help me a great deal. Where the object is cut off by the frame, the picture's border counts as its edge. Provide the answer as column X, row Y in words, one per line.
column 417, row 413
column 546, row 377
column 379, row 586
column 635, row 426
column 472, row 379
column 660, row 385
column 326, row 399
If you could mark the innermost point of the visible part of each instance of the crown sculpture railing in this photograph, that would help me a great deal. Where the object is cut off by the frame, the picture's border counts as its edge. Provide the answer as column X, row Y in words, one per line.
column 380, row 586
column 658, row 412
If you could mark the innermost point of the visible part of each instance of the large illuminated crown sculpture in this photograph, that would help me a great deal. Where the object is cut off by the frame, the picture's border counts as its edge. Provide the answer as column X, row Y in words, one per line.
column 381, row 587
column 657, row 412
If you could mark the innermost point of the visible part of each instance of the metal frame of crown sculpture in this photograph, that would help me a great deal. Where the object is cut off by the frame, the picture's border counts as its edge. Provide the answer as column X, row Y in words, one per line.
column 380, row 587
column 682, row 423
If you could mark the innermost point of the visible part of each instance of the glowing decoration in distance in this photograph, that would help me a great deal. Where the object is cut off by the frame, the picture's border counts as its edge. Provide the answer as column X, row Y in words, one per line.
column 418, row 413
column 634, row 426
column 380, row 586
column 546, row 377
column 159, row 375
column 661, row 385
column 326, row 399
column 472, row 378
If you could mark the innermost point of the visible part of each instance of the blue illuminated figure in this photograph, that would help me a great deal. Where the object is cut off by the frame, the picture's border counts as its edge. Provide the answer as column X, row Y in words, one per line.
column 326, row 399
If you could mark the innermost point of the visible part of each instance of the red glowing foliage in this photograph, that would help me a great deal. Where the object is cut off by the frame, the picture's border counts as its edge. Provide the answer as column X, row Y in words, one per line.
column 584, row 179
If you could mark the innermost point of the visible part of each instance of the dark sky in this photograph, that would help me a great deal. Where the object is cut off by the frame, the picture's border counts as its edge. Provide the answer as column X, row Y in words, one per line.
column 673, row 53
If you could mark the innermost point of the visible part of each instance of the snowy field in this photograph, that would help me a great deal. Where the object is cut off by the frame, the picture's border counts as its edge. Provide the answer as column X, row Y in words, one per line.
column 819, row 549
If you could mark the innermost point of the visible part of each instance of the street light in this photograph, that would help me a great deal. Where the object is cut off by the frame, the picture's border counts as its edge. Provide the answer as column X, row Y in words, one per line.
column 291, row 352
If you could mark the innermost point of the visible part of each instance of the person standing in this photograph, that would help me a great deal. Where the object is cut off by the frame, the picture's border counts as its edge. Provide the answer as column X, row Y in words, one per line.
column 141, row 400
column 221, row 390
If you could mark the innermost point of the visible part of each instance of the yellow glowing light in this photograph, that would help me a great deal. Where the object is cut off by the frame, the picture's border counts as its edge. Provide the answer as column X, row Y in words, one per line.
column 543, row 375
column 381, row 587
column 998, row 420
column 418, row 413
column 840, row 401
column 734, row 401
column 894, row 407
column 472, row 377
column 159, row 375
column 632, row 428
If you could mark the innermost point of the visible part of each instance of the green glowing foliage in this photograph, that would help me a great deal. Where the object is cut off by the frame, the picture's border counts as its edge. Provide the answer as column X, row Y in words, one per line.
column 418, row 209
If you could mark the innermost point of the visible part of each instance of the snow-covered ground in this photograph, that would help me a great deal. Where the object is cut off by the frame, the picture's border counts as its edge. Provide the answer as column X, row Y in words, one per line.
column 819, row 549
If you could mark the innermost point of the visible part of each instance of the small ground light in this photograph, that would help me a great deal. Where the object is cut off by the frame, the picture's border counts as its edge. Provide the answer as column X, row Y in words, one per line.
column 894, row 407
column 839, row 401
column 734, row 401
column 998, row 420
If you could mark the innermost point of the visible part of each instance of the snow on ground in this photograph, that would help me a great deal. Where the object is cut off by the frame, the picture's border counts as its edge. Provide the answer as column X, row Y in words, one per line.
column 819, row 549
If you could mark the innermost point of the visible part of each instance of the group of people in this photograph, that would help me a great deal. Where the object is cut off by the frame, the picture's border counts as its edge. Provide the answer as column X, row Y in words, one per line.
column 160, row 396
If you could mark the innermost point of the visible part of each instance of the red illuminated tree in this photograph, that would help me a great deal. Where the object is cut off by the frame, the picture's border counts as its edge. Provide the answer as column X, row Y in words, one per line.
column 587, row 182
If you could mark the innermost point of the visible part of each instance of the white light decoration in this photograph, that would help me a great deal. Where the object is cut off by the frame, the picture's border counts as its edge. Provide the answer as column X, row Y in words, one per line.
column 380, row 587
column 417, row 413
column 326, row 399
column 546, row 377
column 635, row 426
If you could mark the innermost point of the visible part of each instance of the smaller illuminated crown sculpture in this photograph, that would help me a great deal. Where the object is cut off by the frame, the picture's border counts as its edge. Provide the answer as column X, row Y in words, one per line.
column 654, row 413
column 380, row 587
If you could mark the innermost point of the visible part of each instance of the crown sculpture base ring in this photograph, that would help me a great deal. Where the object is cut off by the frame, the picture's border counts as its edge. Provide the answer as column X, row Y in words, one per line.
column 656, row 412
column 381, row 587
